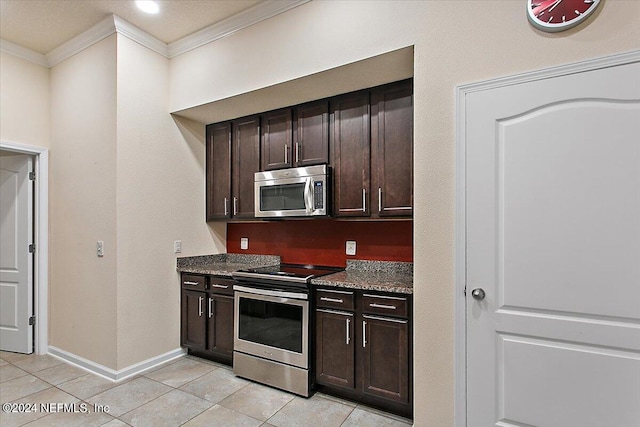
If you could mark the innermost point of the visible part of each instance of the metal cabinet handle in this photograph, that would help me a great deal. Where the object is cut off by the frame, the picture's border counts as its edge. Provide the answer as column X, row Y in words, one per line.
column 364, row 333
column 385, row 319
column 186, row 282
column 235, row 206
column 210, row 307
column 379, row 199
column 226, row 209
column 348, row 332
column 286, row 153
column 364, row 200
column 200, row 299
column 390, row 307
column 215, row 285
column 297, row 152
column 331, row 300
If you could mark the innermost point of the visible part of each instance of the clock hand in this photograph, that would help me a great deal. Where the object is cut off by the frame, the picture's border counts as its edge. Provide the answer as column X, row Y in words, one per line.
column 555, row 5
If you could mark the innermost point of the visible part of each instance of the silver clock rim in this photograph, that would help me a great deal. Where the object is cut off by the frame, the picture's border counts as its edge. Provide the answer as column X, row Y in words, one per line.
column 554, row 28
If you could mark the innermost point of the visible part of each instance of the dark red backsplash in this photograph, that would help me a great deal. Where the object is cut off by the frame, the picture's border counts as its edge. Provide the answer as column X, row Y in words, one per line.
column 322, row 242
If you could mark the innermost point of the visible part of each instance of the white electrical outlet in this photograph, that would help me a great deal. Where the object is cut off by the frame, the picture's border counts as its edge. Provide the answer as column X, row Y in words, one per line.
column 100, row 248
column 177, row 246
column 351, row 247
column 244, row 243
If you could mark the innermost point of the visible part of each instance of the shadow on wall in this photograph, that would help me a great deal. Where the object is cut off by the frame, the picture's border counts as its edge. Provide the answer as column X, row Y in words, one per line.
column 194, row 134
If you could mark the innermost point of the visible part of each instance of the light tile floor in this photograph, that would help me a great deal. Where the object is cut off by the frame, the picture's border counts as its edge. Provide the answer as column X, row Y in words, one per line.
column 184, row 392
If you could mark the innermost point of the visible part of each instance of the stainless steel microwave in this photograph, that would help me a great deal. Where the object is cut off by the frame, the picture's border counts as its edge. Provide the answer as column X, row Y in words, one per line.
column 294, row 192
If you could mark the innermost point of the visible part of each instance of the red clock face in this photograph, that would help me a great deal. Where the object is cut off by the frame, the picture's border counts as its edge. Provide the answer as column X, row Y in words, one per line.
column 558, row 15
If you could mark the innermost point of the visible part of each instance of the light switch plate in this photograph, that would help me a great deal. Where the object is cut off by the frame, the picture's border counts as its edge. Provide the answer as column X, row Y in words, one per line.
column 351, row 247
column 244, row 243
column 177, row 246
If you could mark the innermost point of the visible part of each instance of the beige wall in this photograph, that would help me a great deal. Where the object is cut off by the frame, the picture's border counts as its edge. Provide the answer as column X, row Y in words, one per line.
column 24, row 102
column 123, row 171
column 455, row 42
column 160, row 198
column 82, row 287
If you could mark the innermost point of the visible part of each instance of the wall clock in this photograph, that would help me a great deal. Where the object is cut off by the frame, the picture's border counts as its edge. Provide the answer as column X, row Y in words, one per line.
column 559, row 15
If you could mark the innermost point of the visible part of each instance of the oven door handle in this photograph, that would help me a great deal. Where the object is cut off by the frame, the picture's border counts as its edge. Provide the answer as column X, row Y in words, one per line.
column 270, row 292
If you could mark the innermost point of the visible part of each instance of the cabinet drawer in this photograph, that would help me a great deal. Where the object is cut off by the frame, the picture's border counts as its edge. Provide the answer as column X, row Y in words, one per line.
column 386, row 305
column 218, row 285
column 193, row 282
column 330, row 298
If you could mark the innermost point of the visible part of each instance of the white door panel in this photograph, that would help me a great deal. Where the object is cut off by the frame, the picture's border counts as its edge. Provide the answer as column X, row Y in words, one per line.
column 16, row 263
column 576, row 183
column 553, row 238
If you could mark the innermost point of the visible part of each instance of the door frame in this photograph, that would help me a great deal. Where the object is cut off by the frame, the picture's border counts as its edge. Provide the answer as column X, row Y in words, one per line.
column 41, row 232
column 461, row 91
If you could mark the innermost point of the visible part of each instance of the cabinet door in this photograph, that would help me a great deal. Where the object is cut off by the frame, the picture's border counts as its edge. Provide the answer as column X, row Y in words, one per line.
column 193, row 325
column 350, row 141
column 218, row 170
column 246, row 162
column 276, row 139
column 220, row 327
column 392, row 149
column 385, row 358
column 311, row 140
column 335, row 364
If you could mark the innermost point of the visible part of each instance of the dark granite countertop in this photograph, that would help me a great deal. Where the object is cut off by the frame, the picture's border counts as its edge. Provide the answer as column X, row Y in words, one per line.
column 223, row 264
column 384, row 276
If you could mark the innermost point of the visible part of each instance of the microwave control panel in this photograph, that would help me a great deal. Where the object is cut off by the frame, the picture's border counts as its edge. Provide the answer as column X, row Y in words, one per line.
column 318, row 195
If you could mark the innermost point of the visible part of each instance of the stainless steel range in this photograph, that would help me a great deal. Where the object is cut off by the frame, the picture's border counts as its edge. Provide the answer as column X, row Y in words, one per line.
column 272, row 328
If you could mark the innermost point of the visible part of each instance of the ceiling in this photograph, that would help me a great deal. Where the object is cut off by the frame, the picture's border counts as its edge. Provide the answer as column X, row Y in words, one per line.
column 43, row 25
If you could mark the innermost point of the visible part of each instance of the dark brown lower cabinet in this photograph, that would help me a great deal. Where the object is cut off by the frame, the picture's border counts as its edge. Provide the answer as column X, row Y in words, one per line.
column 335, row 348
column 363, row 348
column 193, row 322
column 220, row 325
column 385, row 367
column 207, row 317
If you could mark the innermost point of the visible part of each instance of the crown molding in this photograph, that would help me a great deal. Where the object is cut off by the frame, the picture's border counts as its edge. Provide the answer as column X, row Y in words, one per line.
column 114, row 24
column 137, row 35
column 23, row 53
column 93, row 35
column 263, row 10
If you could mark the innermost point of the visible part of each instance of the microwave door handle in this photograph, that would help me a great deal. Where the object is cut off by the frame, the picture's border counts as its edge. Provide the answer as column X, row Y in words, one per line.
column 308, row 195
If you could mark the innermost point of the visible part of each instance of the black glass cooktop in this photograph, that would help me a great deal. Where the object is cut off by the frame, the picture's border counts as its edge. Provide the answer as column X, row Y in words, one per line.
column 286, row 272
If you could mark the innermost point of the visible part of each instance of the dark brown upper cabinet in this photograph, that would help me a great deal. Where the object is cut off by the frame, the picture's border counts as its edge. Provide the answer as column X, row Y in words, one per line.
column 311, row 136
column 277, row 139
column 365, row 136
column 392, row 149
column 245, row 163
column 350, row 148
column 294, row 137
column 218, row 170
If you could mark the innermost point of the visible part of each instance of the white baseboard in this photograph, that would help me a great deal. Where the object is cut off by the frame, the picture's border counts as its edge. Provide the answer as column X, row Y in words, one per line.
column 112, row 374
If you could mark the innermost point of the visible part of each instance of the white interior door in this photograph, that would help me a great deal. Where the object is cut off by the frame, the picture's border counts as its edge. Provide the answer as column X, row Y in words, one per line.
column 16, row 263
column 553, row 239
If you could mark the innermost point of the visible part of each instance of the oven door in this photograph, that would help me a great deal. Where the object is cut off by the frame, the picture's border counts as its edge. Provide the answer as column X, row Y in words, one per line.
column 272, row 324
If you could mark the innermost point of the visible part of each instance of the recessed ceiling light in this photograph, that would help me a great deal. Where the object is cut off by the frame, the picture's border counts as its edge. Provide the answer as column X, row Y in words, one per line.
column 148, row 6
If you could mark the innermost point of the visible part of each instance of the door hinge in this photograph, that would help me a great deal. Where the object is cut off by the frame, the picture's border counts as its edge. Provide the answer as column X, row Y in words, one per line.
column 465, row 291
column 32, row 248
column 32, row 176
column 32, row 320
